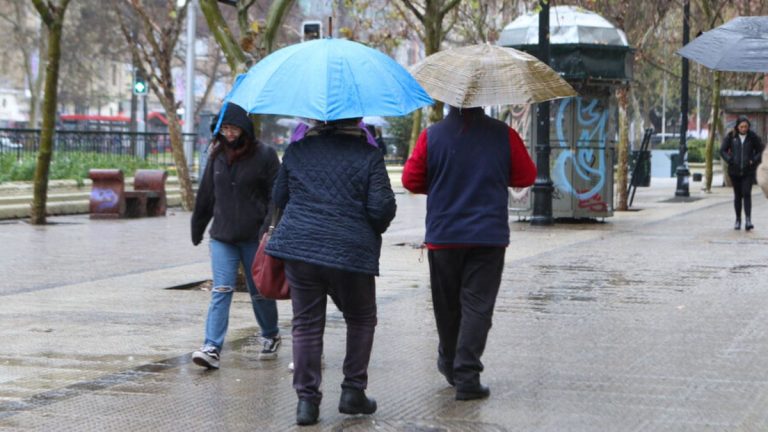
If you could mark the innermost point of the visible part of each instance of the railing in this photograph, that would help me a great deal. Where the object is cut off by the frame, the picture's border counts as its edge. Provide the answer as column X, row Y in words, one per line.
column 154, row 147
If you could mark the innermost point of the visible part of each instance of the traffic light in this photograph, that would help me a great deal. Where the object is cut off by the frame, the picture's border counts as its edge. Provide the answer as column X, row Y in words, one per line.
column 311, row 30
column 140, row 85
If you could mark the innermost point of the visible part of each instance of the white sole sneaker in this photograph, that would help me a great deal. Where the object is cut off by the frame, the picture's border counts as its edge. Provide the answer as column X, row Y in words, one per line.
column 268, row 356
column 205, row 360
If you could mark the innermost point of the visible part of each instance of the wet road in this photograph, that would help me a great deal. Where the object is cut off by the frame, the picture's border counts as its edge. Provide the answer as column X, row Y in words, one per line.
column 654, row 320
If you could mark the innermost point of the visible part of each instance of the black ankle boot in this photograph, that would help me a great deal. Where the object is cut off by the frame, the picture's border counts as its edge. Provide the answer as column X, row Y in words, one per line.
column 446, row 371
column 477, row 391
column 354, row 401
column 306, row 413
column 737, row 225
column 748, row 224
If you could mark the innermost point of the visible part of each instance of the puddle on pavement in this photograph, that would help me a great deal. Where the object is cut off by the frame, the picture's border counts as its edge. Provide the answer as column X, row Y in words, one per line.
column 579, row 283
column 415, row 425
column 752, row 241
column 412, row 245
column 203, row 285
column 746, row 268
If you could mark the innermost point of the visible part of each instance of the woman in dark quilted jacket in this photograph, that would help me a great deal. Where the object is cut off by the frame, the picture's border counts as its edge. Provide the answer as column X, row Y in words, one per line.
column 337, row 201
column 742, row 150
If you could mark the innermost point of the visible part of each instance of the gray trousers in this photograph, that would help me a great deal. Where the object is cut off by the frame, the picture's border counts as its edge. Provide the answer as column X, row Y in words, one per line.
column 355, row 295
column 465, row 283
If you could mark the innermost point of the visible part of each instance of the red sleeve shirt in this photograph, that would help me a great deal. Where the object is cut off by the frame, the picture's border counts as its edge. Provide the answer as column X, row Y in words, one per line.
column 522, row 171
column 414, row 176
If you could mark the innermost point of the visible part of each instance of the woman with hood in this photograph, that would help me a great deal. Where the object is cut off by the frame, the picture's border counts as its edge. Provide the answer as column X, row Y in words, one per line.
column 235, row 192
column 742, row 150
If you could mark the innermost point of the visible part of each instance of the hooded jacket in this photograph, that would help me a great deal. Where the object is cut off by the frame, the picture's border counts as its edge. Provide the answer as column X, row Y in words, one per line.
column 235, row 115
column 235, row 196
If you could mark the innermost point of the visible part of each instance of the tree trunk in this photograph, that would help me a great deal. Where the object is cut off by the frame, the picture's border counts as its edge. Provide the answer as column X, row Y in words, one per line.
column 45, row 153
column 432, row 38
column 415, row 131
column 713, row 126
column 177, row 147
column 623, row 149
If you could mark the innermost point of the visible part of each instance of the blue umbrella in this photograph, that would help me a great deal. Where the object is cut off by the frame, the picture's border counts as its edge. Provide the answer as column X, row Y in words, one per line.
column 328, row 79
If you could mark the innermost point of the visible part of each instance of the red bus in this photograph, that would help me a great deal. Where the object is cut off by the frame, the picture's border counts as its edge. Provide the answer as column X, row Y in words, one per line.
column 94, row 122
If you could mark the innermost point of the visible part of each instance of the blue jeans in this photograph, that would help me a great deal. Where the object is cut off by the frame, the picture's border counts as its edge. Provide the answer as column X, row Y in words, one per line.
column 225, row 260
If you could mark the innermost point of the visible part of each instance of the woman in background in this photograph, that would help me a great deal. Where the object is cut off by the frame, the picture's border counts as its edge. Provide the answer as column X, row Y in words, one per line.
column 742, row 150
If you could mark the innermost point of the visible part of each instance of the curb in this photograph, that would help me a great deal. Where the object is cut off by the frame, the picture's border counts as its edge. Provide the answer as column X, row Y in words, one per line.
column 65, row 197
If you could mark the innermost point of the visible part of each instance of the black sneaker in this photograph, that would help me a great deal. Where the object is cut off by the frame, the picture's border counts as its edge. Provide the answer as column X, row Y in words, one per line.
column 269, row 347
column 207, row 357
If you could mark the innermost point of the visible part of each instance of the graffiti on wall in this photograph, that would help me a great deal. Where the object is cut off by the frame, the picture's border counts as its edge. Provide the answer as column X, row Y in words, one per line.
column 586, row 163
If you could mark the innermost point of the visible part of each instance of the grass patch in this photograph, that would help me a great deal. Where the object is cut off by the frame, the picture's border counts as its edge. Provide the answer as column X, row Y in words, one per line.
column 69, row 165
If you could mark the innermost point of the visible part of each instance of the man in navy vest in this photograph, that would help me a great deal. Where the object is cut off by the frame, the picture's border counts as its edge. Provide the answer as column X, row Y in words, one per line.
column 464, row 164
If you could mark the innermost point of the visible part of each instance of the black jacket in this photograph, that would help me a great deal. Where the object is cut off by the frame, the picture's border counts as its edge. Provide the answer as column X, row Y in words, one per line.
column 236, row 197
column 742, row 159
column 338, row 201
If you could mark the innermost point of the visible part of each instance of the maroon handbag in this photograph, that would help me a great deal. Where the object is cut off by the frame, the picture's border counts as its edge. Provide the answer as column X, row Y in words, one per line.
column 269, row 272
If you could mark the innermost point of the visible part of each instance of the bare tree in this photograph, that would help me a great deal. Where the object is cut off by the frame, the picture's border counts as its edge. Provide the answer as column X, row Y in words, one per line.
column 153, row 45
column 52, row 15
column 257, row 40
column 429, row 25
column 30, row 42
column 91, row 47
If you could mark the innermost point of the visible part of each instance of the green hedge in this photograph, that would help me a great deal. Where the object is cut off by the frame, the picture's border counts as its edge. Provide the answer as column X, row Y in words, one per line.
column 68, row 166
column 696, row 149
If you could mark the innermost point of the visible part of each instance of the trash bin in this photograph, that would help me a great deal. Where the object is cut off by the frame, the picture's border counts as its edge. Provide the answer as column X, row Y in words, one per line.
column 640, row 168
column 674, row 157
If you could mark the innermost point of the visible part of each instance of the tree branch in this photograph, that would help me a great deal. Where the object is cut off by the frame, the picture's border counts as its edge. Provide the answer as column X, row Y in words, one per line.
column 44, row 11
column 448, row 8
column 408, row 4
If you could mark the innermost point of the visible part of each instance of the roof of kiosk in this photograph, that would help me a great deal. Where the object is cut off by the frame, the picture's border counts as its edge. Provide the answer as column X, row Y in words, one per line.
column 567, row 25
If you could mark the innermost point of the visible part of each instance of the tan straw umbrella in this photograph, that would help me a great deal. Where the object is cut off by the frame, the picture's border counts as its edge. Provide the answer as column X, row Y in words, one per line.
column 484, row 75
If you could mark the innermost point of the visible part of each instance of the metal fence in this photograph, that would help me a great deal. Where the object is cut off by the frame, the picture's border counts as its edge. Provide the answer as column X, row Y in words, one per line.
column 154, row 147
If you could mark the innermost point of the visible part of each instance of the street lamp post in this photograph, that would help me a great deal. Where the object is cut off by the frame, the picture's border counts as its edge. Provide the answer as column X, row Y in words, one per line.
column 189, row 95
column 682, row 170
column 543, row 187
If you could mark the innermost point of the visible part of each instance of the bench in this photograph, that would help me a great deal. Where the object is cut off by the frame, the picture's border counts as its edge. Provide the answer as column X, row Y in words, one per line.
column 110, row 200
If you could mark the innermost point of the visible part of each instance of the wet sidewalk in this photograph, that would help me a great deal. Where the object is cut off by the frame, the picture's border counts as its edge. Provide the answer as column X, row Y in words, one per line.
column 656, row 319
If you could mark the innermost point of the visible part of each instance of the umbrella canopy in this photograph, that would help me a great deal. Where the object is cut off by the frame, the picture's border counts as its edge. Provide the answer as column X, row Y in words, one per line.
column 567, row 25
column 740, row 45
column 483, row 75
column 328, row 79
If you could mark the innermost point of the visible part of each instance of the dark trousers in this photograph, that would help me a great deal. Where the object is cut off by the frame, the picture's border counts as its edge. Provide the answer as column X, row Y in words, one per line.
column 465, row 283
column 742, row 191
column 355, row 295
